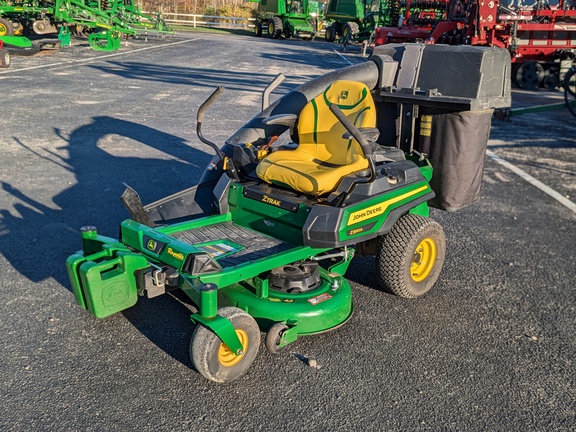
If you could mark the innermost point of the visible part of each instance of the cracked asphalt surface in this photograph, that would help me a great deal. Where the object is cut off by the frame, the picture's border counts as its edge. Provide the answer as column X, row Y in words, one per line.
column 491, row 347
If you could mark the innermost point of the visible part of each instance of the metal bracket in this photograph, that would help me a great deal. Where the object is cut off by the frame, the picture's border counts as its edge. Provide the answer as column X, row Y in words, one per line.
column 222, row 328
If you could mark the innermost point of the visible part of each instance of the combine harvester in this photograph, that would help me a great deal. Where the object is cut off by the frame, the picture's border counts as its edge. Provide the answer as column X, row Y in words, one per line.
column 279, row 18
column 104, row 22
column 541, row 38
column 355, row 20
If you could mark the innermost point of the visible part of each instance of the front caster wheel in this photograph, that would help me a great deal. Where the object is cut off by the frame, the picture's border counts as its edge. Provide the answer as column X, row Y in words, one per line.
column 274, row 336
column 410, row 257
column 213, row 359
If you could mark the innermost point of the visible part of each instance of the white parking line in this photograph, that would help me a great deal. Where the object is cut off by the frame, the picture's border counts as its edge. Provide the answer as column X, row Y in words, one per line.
column 94, row 59
column 534, row 182
column 345, row 59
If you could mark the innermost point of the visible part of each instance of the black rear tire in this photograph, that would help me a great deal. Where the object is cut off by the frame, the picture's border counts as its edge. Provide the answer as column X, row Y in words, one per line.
column 330, row 34
column 275, row 27
column 258, row 28
column 6, row 27
column 409, row 258
column 350, row 31
column 570, row 91
column 529, row 75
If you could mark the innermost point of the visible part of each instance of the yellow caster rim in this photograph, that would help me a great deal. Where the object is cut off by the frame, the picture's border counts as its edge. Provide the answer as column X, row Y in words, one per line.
column 227, row 357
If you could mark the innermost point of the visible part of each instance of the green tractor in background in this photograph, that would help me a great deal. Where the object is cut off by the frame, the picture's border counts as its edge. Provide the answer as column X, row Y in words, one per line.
column 288, row 18
column 355, row 20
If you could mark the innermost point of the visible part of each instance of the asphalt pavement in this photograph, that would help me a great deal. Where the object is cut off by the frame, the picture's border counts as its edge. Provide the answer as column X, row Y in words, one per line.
column 491, row 347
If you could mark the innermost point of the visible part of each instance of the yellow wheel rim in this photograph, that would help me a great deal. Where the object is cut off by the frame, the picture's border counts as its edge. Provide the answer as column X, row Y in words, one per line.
column 227, row 357
column 270, row 28
column 3, row 30
column 423, row 260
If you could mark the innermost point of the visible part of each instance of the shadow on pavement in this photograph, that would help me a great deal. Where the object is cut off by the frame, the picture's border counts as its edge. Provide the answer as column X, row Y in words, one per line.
column 37, row 239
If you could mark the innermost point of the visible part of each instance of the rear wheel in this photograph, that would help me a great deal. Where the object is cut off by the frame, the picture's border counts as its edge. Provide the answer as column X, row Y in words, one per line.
column 258, row 28
column 410, row 257
column 18, row 28
column 551, row 82
column 5, row 58
column 213, row 359
column 570, row 91
column 350, row 31
column 570, row 81
column 330, row 34
column 275, row 27
column 529, row 75
column 6, row 27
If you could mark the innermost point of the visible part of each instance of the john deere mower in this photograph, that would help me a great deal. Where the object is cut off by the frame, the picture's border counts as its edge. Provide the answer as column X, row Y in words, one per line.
column 263, row 242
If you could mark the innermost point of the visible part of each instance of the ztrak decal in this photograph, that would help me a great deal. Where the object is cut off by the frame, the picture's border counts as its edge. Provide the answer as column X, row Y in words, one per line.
column 259, row 196
column 378, row 209
column 275, row 202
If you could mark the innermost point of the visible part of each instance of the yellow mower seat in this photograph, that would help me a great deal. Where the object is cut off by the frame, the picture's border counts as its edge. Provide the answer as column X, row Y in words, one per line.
column 323, row 157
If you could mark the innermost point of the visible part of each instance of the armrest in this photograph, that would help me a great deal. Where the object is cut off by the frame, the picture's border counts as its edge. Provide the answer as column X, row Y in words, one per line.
column 371, row 134
column 281, row 119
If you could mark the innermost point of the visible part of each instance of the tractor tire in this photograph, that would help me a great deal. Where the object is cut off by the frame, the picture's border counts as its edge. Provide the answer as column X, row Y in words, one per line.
column 5, row 58
column 18, row 28
column 569, row 83
column 6, row 27
column 330, row 34
column 410, row 257
column 551, row 82
column 369, row 22
column 275, row 27
column 570, row 91
column 529, row 75
column 213, row 359
column 258, row 28
column 350, row 31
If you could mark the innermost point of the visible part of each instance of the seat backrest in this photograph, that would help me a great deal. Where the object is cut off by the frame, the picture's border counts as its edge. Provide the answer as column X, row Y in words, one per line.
column 320, row 132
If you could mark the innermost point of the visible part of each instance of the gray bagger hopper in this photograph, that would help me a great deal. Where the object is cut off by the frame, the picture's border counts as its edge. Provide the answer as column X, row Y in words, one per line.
column 440, row 104
column 435, row 101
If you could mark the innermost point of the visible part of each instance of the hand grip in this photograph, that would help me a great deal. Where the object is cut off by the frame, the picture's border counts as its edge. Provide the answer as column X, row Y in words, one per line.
column 215, row 95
